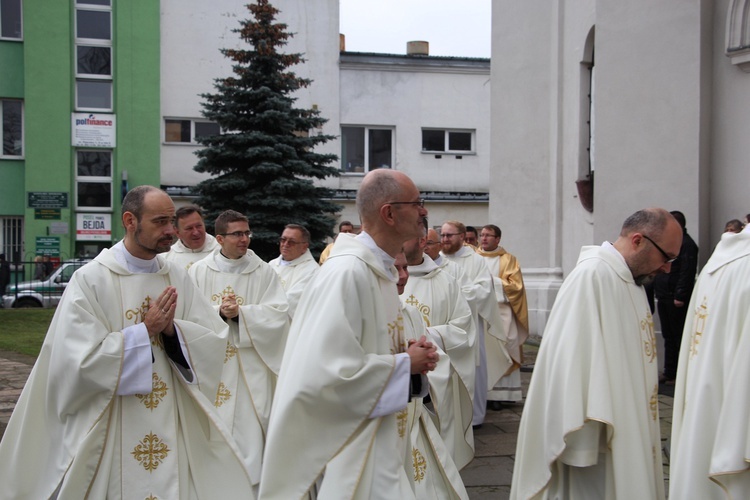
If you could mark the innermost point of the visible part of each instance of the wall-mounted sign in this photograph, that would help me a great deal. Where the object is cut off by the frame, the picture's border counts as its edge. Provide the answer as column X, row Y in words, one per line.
column 93, row 130
column 93, row 227
column 43, row 199
column 58, row 228
column 47, row 213
column 48, row 245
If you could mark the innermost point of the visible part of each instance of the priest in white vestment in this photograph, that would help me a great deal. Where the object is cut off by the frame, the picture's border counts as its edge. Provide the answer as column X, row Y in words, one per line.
column 710, row 447
column 295, row 265
column 437, row 296
column 429, row 463
column 247, row 295
column 493, row 360
column 120, row 401
column 590, row 423
column 344, row 378
column 193, row 243
column 510, row 294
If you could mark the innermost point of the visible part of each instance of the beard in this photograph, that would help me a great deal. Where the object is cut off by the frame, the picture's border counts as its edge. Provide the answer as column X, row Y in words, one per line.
column 162, row 245
column 644, row 279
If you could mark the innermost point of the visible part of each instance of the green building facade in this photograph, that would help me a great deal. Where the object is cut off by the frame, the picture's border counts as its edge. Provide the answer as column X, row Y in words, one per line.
column 79, row 99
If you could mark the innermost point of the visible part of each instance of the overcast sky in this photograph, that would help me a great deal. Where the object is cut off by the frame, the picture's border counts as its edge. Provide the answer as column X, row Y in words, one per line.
column 453, row 27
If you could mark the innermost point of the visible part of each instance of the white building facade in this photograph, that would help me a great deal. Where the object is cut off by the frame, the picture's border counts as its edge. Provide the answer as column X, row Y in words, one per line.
column 427, row 116
column 645, row 100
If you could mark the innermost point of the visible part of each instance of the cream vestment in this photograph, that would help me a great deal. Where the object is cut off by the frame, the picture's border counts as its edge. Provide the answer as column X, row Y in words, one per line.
column 85, row 424
column 437, row 296
column 295, row 276
column 256, row 345
column 710, row 448
column 186, row 257
column 590, row 424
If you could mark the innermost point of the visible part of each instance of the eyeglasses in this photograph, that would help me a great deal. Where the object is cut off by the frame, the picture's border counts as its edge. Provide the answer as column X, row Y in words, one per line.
column 667, row 258
column 419, row 203
column 238, row 234
column 449, row 235
column 488, row 235
column 288, row 241
column 430, row 242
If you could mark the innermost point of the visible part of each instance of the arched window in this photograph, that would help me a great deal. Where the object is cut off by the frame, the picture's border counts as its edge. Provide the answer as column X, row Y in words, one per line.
column 738, row 34
column 585, row 182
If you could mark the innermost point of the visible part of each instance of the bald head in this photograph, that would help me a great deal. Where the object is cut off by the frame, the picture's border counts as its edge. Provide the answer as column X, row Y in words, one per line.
column 432, row 245
column 390, row 208
column 379, row 187
column 649, row 240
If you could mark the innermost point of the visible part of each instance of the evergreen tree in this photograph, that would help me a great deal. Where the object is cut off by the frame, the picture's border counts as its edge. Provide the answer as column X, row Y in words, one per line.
column 263, row 163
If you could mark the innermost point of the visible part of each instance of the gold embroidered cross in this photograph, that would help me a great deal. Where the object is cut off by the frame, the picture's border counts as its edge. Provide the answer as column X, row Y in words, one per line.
column 150, row 452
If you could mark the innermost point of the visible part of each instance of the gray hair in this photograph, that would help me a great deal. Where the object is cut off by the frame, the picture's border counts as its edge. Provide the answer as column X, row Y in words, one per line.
column 378, row 188
column 648, row 220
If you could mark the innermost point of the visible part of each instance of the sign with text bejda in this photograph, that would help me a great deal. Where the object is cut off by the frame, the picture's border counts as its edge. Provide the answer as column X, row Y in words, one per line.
column 93, row 227
column 93, row 130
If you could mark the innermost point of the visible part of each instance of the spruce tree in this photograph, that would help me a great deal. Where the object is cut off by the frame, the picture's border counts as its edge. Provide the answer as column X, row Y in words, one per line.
column 263, row 162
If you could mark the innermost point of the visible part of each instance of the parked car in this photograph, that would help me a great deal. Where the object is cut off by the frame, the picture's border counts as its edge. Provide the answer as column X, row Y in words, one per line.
column 42, row 293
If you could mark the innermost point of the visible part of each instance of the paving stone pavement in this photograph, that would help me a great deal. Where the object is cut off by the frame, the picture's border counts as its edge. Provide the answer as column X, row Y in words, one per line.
column 487, row 477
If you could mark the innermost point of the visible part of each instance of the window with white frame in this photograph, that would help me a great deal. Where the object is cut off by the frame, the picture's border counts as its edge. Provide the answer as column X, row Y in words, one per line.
column 93, row 51
column 188, row 131
column 11, row 238
column 454, row 141
column 11, row 125
column 93, row 180
column 11, row 26
column 366, row 148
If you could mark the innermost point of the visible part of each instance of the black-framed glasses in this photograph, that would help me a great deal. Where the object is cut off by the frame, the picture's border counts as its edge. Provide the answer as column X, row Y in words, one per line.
column 419, row 203
column 449, row 235
column 238, row 234
column 667, row 258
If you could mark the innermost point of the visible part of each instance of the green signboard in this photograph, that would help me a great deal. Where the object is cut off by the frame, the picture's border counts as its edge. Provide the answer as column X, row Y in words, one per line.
column 47, row 213
column 45, row 199
column 48, row 245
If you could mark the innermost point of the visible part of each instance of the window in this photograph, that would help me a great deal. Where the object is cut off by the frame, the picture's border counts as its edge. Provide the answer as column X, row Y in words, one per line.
column 11, row 238
column 94, row 95
column 10, row 19
column 93, row 39
column 447, row 141
column 189, row 131
column 93, row 180
column 11, row 124
column 366, row 148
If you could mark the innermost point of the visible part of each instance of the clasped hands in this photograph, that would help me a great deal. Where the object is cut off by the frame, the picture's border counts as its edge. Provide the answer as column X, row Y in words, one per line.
column 423, row 354
column 160, row 315
column 229, row 307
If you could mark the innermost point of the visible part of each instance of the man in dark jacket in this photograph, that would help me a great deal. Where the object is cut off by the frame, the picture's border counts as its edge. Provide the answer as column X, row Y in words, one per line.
column 4, row 273
column 672, row 293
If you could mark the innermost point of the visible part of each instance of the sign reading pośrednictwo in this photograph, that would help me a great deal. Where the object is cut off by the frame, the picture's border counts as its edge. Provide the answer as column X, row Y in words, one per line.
column 93, row 130
column 93, row 227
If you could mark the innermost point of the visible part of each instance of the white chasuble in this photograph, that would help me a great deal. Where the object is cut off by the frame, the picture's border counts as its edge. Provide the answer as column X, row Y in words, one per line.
column 82, row 439
column 429, row 465
column 338, row 364
column 493, row 360
column 295, row 276
column 590, row 425
column 184, row 257
column 710, row 447
column 255, row 346
column 510, row 295
column 437, row 296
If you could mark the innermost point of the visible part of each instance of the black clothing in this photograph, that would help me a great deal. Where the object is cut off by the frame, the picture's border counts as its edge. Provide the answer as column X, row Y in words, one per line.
column 676, row 285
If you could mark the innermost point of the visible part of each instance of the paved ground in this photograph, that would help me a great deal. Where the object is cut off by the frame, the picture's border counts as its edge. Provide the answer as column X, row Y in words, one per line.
column 487, row 477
